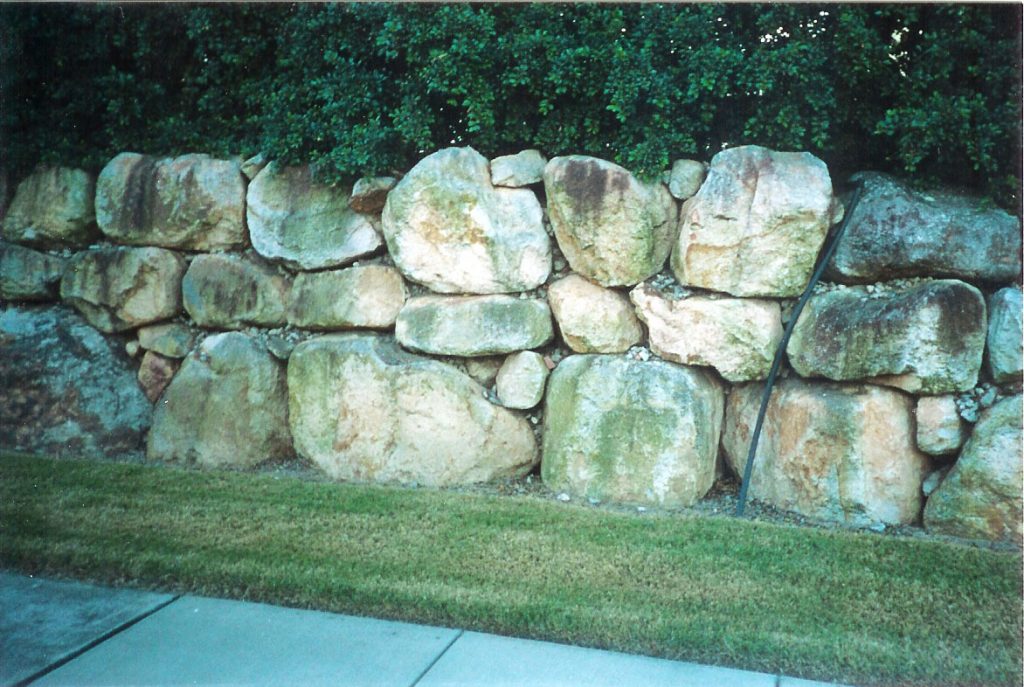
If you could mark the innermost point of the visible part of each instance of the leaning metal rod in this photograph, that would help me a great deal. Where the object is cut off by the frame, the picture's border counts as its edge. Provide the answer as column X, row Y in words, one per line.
column 822, row 263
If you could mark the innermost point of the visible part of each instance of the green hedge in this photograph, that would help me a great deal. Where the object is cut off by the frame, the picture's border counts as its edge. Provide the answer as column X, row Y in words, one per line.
column 933, row 90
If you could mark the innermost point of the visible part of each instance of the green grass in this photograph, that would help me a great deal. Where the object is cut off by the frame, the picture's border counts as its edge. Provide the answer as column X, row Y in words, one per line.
column 814, row 603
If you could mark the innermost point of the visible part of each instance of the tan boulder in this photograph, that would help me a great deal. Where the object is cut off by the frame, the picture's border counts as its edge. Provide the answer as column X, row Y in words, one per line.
column 844, row 453
column 233, row 291
column 362, row 409
column 736, row 336
column 756, row 225
column 940, row 430
column 53, row 207
column 448, row 228
column 591, row 318
column 368, row 296
column 520, row 381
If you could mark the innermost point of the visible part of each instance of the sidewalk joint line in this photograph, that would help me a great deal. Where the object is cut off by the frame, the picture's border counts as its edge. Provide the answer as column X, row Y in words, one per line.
column 437, row 658
column 89, row 646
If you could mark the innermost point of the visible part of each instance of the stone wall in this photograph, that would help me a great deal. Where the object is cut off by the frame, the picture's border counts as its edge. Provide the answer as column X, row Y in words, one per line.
column 477, row 319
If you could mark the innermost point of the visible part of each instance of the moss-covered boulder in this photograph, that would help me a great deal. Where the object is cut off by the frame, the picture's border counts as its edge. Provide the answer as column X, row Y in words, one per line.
column 1005, row 341
column 626, row 431
column 53, row 208
column 28, row 275
column 926, row 339
column 223, row 291
column 363, row 297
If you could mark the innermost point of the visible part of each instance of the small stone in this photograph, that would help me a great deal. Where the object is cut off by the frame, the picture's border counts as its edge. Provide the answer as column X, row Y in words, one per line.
column 685, row 178
column 521, row 169
column 371, row 193
column 594, row 502
column 172, row 340
column 564, row 498
column 521, row 379
column 932, row 481
column 252, row 166
column 641, row 509
column 155, row 373
column 132, row 348
column 279, row 346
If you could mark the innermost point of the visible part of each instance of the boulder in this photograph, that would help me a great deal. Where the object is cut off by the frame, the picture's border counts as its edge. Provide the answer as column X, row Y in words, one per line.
column 981, row 496
column 53, row 208
column 612, row 228
column 757, row 224
column 685, row 178
column 117, row 289
column 155, row 373
column 171, row 340
column 843, row 453
column 926, row 339
column 1005, row 332
column 28, row 275
column 520, row 381
column 896, row 231
column 591, row 318
column 472, row 326
column 370, row 193
column 940, row 430
column 226, row 407
column 254, row 165
column 522, row 169
column 625, row 431
column 67, row 390
column 448, row 228
column 368, row 296
column 736, row 336
column 233, row 291
column 303, row 224
column 363, row 409
column 192, row 202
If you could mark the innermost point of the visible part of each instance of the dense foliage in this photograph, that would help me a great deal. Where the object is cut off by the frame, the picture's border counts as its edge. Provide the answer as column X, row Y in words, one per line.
column 933, row 90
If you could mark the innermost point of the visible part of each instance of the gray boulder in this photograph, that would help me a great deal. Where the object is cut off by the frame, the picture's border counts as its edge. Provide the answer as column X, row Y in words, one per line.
column 231, row 292
column 28, row 275
column 67, row 390
column 53, row 208
column 1005, row 332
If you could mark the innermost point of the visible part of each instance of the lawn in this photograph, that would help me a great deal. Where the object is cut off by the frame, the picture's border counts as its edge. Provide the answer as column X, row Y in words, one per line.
column 823, row 604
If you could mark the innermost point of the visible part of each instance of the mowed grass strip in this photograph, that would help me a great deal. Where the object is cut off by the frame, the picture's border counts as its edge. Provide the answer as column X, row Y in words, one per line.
column 831, row 605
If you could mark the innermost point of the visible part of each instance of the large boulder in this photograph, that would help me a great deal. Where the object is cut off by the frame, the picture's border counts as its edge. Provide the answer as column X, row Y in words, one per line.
column 473, row 325
column 117, row 289
column 367, row 296
column 757, row 223
column 28, row 275
column 612, row 228
column 303, row 224
column 625, row 431
column 232, row 291
column 226, row 406
column 736, row 336
column 593, row 319
column 981, row 497
column 66, row 389
column 843, row 453
column 1005, row 339
column 363, row 409
column 448, row 228
column 927, row 339
column 193, row 202
column 53, row 208
column 896, row 231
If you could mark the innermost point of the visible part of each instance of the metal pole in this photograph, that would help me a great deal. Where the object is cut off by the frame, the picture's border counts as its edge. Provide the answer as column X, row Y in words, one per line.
column 777, row 362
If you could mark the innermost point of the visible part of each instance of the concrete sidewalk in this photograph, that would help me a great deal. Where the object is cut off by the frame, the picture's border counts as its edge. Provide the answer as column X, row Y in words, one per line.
column 69, row 633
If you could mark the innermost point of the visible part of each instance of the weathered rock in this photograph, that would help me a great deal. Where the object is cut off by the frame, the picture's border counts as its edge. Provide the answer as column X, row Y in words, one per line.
column 473, row 325
column 591, row 318
column 226, row 406
column 612, row 229
column 369, row 296
column 981, row 496
column 484, row 370
column 756, row 225
column 631, row 432
column 155, row 373
column 686, row 177
column 117, row 289
column 254, row 165
column 192, row 202
column 53, row 207
column 1005, row 332
column 363, row 409
column 171, row 340
column 66, row 389
column 231, row 291
column 370, row 193
column 928, row 339
column 522, row 169
column 736, row 336
column 843, row 453
column 940, row 431
column 303, row 224
column 897, row 232
column 27, row 275
column 520, row 381
column 449, row 229
column 280, row 347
